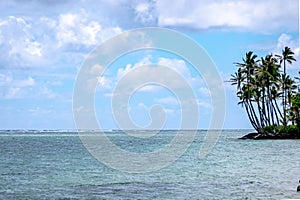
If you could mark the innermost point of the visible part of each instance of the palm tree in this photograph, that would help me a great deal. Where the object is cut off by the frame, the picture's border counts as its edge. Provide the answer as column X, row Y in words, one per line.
column 244, row 79
column 296, row 109
column 267, row 76
column 260, row 83
column 290, row 88
column 237, row 78
column 286, row 56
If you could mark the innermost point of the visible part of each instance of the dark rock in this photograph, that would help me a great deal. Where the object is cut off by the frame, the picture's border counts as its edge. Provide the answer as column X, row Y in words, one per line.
column 257, row 136
column 249, row 136
column 263, row 136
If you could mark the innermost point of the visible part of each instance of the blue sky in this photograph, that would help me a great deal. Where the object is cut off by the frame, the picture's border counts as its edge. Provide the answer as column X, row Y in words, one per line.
column 44, row 43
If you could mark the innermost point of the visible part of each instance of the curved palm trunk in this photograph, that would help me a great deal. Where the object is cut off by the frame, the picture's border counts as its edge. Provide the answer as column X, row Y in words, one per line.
column 275, row 111
column 254, row 117
column 279, row 111
column 260, row 113
column 284, row 94
column 250, row 116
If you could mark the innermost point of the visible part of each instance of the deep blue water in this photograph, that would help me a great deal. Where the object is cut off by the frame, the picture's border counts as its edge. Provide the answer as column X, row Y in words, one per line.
column 56, row 165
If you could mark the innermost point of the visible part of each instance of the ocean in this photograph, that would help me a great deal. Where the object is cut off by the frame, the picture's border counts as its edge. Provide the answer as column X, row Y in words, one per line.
column 56, row 165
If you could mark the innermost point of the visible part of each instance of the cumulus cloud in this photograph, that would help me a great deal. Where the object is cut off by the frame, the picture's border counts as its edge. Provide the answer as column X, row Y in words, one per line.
column 255, row 15
column 168, row 100
column 154, row 89
column 143, row 62
column 51, row 38
column 30, row 41
column 76, row 28
column 48, row 93
column 17, row 88
column 287, row 40
column 39, row 111
column 176, row 64
column 25, row 83
column 6, row 80
column 18, row 46
column 14, row 89
column 145, row 12
column 151, row 64
column 39, row 40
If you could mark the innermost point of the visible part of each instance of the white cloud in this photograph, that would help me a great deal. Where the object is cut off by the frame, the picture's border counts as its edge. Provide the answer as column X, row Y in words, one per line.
column 123, row 71
column 144, row 12
column 13, row 93
column 46, row 92
column 204, row 91
column 150, row 88
column 15, row 89
column 39, row 111
column 104, row 83
column 40, row 41
column 97, row 69
column 168, row 101
column 176, row 64
column 19, row 46
column 18, row 87
column 255, row 15
column 287, row 40
column 5, row 80
column 144, row 62
column 25, row 83
column 142, row 105
column 34, row 48
column 143, row 7
column 204, row 104
column 76, row 28
column 146, row 70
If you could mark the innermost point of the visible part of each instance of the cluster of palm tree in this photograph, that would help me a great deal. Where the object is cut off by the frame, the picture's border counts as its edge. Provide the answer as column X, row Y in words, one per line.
column 264, row 90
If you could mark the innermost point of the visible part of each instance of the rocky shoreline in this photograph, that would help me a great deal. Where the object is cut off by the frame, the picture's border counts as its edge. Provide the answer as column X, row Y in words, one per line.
column 270, row 136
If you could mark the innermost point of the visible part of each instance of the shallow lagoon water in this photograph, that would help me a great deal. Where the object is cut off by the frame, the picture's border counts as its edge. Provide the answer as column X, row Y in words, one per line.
column 56, row 165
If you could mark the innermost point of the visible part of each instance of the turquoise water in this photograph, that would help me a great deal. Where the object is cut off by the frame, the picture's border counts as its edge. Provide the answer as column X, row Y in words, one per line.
column 55, row 165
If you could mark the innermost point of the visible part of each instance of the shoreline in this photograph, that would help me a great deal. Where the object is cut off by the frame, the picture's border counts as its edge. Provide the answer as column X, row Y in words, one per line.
column 269, row 136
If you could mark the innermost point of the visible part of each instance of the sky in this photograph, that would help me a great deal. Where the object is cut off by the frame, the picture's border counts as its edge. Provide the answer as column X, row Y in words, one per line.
column 43, row 45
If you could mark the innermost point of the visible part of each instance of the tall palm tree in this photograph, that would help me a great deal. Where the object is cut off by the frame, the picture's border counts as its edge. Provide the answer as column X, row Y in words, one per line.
column 260, row 83
column 287, row 56
column 244, row 79
column 247, row 67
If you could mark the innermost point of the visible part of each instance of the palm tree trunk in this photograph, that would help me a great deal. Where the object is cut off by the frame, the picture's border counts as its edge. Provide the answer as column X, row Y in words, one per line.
column 278, row 109
column 260, row 113
column 271, row 108
column 254, row 116
column 284, row 94
column 250, row 116
column 275, row 111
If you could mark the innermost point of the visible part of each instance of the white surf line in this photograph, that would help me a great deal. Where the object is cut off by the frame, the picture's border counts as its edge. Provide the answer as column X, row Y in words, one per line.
column 37, row 135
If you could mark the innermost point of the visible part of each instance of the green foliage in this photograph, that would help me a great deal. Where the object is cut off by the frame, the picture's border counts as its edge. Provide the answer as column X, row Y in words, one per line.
column 289, row 130
column 266, row 92
column 295, row 111
column 270, row 129
column 296, row 100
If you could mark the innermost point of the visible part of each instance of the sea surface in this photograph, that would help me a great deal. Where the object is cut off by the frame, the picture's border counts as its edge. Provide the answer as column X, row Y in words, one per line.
column 56, row 165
